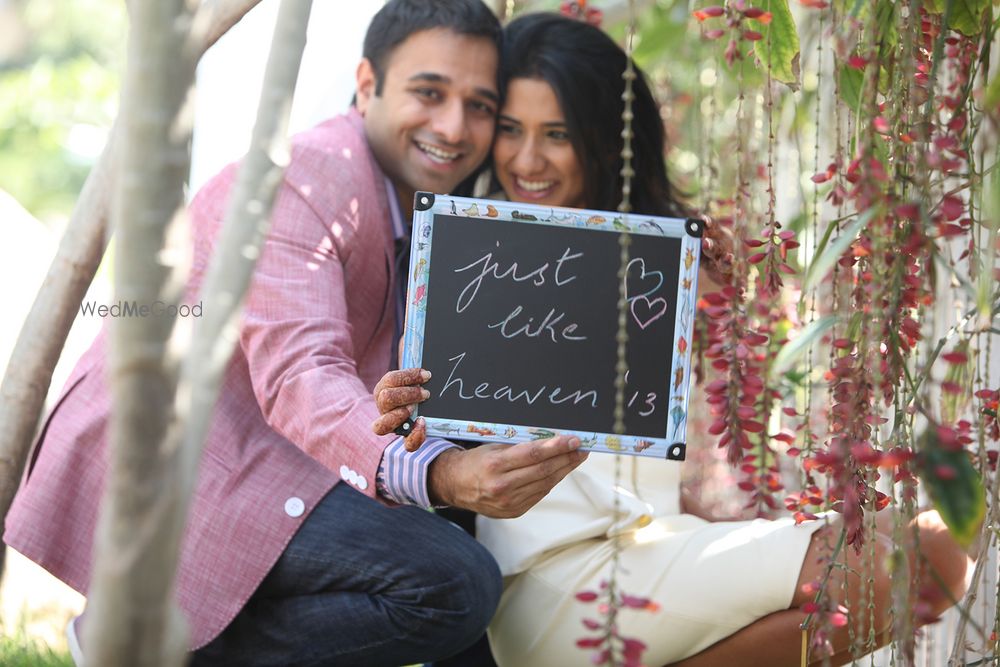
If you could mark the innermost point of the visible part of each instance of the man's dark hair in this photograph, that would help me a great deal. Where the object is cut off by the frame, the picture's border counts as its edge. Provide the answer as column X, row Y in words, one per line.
column 399, row 19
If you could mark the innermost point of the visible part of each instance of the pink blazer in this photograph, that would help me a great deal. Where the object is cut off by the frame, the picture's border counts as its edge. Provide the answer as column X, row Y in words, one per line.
column 295, row 411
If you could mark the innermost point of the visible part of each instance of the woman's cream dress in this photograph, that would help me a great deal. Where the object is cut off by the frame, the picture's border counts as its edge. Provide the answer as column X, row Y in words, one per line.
column 710, row 579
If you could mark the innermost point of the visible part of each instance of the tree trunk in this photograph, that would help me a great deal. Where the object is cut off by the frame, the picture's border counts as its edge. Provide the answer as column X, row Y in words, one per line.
column 132, row 619
column 43, row 335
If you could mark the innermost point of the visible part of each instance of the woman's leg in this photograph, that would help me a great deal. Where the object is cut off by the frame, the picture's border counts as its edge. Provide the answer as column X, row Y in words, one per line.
column 776, row 640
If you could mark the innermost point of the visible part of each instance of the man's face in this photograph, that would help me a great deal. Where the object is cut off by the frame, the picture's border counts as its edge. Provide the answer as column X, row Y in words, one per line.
column 432, row 124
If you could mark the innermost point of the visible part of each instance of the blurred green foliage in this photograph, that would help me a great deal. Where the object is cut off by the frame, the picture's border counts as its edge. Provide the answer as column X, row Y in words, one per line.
column 17, row 649
column 60, row 62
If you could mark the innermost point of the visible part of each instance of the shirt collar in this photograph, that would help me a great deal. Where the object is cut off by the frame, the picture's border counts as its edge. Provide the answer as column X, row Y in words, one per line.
column 399, row 230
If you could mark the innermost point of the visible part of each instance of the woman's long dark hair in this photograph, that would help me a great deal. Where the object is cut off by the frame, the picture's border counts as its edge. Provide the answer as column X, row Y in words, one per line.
column 584, row 67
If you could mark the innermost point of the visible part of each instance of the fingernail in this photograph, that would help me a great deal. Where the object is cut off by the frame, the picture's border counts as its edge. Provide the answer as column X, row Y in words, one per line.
column 582, row 456
column 425, row 393
column 425, row 375
column 411, row 408
column 574, row 442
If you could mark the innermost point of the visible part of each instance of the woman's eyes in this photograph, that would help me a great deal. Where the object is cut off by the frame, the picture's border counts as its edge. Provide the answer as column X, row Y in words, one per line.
column 513, row 130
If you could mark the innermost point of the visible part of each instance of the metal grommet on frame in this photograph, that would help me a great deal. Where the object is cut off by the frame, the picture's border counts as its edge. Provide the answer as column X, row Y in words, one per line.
column 405, row 428
column 423, row 201
column 694, row 227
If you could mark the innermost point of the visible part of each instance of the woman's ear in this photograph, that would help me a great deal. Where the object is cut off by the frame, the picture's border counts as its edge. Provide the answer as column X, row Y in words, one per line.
column 366, row 83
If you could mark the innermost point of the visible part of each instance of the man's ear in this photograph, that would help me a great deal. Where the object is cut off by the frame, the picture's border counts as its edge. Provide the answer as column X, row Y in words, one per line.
column 365, row 82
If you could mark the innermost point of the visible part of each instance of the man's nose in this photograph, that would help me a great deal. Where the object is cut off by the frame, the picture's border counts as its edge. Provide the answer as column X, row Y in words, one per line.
column 449, row 122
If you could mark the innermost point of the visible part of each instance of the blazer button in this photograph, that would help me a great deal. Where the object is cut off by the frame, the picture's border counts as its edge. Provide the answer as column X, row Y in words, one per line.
column 362, row 482
column 294, row 507
column 344, row 472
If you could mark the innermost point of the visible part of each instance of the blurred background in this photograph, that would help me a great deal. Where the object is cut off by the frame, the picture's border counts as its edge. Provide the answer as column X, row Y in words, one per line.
column 61, row 63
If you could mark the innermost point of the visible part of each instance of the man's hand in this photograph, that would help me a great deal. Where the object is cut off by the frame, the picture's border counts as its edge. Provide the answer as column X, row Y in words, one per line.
column 502, row 481
column 396, row 396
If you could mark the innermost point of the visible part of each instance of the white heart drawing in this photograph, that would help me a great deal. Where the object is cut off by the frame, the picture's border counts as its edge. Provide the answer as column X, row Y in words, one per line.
column 653, row 313
column 643, row 274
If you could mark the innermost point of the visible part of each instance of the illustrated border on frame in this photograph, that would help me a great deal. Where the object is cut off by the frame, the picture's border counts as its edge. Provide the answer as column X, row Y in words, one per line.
column 689, row 231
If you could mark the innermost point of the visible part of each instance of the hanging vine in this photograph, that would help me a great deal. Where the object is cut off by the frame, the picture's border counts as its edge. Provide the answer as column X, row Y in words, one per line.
column 890, row 303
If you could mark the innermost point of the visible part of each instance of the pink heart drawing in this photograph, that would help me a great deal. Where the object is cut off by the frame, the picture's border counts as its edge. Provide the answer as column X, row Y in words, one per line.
column 652, row 313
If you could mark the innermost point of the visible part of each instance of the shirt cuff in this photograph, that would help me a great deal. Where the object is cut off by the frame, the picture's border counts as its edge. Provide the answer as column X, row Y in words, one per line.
column 402, row 475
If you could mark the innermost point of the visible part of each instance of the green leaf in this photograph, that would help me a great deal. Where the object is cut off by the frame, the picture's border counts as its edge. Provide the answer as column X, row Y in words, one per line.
column 888, row 38
column 966, row 15
column 953, row 485
column 779, row 49
column 987, row 257
column 792, row 350
column 991, row 100
column 852, row 81
column 857, row 9
column 854, row 326
column 827, row 255
column 657, row 35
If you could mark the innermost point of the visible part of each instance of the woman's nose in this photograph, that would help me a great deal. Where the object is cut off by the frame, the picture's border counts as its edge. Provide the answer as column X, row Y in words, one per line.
column 529, row 158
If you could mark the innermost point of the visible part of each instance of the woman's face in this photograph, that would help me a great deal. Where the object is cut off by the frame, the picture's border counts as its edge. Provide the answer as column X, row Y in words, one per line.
column 533, row 156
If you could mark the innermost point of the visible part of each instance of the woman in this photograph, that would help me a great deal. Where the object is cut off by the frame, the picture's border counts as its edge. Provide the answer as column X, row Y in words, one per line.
column 728, row 591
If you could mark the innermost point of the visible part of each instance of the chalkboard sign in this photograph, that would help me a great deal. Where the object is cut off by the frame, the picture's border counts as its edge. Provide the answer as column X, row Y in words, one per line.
column 514, row 310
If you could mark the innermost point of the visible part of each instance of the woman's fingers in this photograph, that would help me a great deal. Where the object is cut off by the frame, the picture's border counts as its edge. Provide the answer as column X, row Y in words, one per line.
column 392, row 420
column 416, row 438
column 396, row 396
column 391, row 398
column 403, row 377
column 399, row 388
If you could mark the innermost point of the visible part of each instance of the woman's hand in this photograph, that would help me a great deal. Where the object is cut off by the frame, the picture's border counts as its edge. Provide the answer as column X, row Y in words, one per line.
column 396, row 396
column 717, row 251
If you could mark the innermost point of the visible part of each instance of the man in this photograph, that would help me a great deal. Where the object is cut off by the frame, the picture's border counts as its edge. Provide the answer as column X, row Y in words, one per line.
column 282, row 564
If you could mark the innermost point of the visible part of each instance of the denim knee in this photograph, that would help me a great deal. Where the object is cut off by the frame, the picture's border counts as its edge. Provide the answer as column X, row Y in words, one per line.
column 477, row 592
column 461, row 593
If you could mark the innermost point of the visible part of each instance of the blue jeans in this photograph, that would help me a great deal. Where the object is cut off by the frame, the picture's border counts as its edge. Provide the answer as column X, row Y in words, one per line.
column 364, row 584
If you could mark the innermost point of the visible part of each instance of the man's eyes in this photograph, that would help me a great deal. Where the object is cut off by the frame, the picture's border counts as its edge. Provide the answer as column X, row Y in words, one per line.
column 483, row 108
column 435, row 95
column 428, row 93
